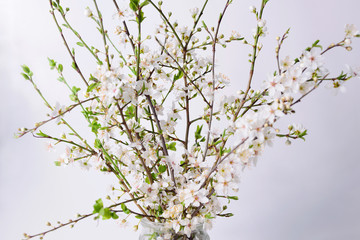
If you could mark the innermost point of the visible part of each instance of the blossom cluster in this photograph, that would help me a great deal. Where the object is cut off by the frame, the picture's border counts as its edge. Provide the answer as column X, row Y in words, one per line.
column 159, row 125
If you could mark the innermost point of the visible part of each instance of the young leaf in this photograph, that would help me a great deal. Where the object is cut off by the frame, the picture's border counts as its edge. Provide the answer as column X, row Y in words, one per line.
column 52, row 63
column 80, row 44
column 57, row 163
column 198, row 132
column 179, row 75
column 92, row 86
column 133, row 6
column 97, row 143
column 41, row 134
column 162, row 168
column 114, row 215
column 60, row 68
column 98, row 206
column 26, row 69
column 171, row 146
column 105, row 213
column 125, row 209
column 25, row 76
column 144, row 3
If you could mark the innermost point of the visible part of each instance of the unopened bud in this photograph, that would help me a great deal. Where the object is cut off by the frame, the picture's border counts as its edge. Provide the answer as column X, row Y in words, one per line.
column 347, row 41
column 88, row 12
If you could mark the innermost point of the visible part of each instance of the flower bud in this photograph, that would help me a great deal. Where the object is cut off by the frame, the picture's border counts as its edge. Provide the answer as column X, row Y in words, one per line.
column 88, row 12
column 347, row 41
column 252, row 8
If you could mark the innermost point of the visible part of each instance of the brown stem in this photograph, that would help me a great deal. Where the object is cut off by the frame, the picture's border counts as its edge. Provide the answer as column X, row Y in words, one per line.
column 182, row 69
column 252, row 68
column 71, row 107
column 71, row 222
column 213, row 77
column 103, row 35
column 116, row 5
column 66, row 44
column 163, row 144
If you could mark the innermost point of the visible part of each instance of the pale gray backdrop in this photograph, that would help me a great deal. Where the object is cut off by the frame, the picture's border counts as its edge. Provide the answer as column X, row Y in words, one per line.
column 307, row 191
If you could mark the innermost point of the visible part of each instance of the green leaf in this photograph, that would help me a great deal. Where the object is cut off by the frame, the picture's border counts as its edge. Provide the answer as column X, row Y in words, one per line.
column 130, row 112
column 61, row 79
column 125, row 209
column 133, row 6
column 114, row 215
column 218, row 141
column 301, row 135
column 26, row 69
column 226, row 215
column 198, row 132
column 92, row 86
column 315, row 44
column 171, row 146
column 162, row 168
column 179, row 75
column 60, row 68
column 97, row 144
column 75, row 89
column 98, row 206
column 105, row 213
column 52, row 63
column 73, row 97
column 41, row 134
column 92, row 78
column 141, row 17
column 221, row 152
column 233, row 197
column 208, row 216
column 25, row 76
column 204, row 25
column 80, row 44
column 144, row 3
column 57, row 163
column 73, row 65
column 139, row 217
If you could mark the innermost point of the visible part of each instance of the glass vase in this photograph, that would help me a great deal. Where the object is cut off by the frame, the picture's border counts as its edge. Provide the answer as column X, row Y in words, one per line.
column 160, row 231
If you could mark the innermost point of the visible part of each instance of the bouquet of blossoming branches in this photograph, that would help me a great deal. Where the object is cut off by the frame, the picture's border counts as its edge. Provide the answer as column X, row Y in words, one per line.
column 160, row 125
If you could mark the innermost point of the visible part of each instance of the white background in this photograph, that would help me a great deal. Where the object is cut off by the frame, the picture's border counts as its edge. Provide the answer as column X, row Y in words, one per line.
column 309, row 190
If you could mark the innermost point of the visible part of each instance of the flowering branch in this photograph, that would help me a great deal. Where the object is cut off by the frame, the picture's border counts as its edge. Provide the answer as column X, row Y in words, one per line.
column 136, row 107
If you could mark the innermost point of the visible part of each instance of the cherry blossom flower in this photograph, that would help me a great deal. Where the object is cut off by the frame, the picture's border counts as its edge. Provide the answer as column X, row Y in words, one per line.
column 312, row 59
column 351, row 30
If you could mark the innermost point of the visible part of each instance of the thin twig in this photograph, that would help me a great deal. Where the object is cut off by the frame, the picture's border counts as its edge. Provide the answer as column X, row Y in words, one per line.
column 67, row 45
column 213, row 77
column 252, row 68
column 103, row 35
